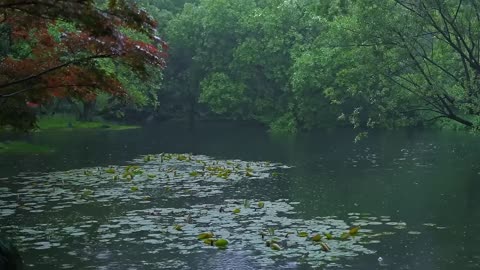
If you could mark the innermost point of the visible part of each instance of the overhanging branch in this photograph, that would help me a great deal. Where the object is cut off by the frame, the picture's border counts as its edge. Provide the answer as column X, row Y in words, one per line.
column 52, row 69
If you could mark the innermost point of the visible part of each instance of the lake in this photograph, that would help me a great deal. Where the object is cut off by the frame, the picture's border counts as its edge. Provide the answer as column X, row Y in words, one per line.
column 109, row 200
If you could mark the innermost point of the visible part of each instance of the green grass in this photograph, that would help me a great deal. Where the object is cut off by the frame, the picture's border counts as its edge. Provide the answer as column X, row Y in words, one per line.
column 10, row 147
column 68, row 122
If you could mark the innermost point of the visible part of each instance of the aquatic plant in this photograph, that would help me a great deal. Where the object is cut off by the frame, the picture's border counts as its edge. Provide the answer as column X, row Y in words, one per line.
column 189, row 229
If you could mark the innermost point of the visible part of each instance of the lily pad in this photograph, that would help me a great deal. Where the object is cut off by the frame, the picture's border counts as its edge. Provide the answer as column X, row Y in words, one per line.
column 221, row 243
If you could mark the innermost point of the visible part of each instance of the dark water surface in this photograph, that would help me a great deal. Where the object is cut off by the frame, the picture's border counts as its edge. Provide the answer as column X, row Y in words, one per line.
column 429, row 180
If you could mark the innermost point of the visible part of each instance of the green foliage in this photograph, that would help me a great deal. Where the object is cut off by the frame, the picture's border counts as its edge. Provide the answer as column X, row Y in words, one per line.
column 299, row 65
column 69, row 122
column 142, row 88
column 49, row 52
column 305, row 64
column 240, row 61
column 19, row 147
column 221, row 243
column 223, row 95
column 285, row 124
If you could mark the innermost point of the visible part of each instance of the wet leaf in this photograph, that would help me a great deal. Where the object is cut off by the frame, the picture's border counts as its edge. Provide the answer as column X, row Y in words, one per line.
column 261, row 204
column 275, row 246
column 194, row 174
column 205, row 235
column 345, row 236
column 87, row 192
column 209, row 242
column 221, row 243
column 148, row 158
column 354, row 230
column 324, row 246
column 302, row 234
column 316, row 238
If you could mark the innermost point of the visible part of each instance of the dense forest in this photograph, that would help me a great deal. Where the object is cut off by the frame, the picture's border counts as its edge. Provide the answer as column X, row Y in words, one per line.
column 291, row 65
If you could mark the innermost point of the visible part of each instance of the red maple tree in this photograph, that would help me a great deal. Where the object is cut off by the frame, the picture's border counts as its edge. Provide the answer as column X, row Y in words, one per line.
column 67, row 66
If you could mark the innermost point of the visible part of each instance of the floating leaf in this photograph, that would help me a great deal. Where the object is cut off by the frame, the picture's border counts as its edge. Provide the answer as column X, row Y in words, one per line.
column 134, row 188
column 302, row 234
column 194, row 174
column 209, row 242
column 354, row 230
column 110, row 170
column 345, row 236
column 189, row 219
column 261, row 204
column 225, row 174
column 137, row 172
column 316, row 238
column 329, row 236
column 87, row 192
column 221, row 243
column 246, row 203
column 128, row 175
column 205, row 235
column 236, row 210
column 182, row 158
column 324, row 246
column 178, row 227
column 148, row 158
column 275, row 246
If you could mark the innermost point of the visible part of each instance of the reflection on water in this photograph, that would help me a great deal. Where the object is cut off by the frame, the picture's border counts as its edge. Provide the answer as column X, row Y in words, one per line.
column 426, row 182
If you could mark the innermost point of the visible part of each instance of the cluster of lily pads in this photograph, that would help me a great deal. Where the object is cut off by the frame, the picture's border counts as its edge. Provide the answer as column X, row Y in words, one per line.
column 42, row 212
column 164, row 176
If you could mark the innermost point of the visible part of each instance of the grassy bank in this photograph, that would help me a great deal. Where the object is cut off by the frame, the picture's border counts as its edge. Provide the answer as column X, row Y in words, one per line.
column 57, row 122
column 68, row 122
column 23, row 147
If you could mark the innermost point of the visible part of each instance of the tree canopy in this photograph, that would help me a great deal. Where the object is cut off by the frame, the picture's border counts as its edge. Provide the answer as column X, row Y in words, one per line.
column 51, row 49
column 292, row 65
column 301, row 64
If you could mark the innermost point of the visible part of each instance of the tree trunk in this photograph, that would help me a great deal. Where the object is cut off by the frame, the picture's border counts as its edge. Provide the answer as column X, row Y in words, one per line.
column 88, row 110
column 460, row 120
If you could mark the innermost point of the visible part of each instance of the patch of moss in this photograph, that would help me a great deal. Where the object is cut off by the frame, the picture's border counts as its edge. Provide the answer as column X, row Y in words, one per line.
column 23, row 147
column 68, row 122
